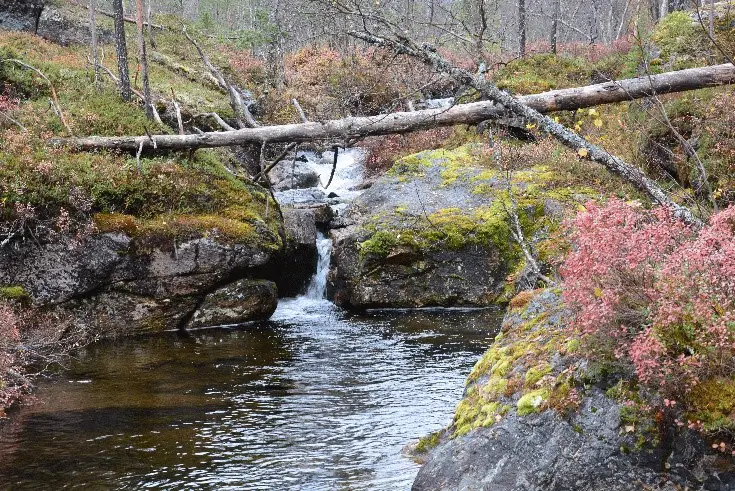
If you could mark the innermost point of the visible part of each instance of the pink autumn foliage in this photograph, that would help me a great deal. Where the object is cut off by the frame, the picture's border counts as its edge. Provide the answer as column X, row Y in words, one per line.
column 662, row 294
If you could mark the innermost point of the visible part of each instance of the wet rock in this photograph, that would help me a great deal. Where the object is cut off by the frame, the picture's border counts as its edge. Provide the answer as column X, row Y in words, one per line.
column 236, row 303
column 109, row 287
column 296, row 197
column 293, row 174
column 323, row 214
column 295, row 266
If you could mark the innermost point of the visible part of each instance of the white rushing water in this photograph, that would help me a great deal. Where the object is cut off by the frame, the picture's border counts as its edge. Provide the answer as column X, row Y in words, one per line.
column 348, row 174
column 318, row 287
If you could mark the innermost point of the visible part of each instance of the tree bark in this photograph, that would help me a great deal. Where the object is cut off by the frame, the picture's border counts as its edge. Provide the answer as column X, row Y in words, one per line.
column 555, row 25
column 143, row 60
column 521, row 28
column 93, row 34
column 122, row 51
column 403, row 122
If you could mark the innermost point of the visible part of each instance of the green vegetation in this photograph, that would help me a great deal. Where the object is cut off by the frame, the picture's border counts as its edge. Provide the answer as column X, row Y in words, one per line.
column 13, row 293
column 158, row 201
column 428, row 442
column 532, row 402
column 539, row 73
column 712, row 403
column 516, row 372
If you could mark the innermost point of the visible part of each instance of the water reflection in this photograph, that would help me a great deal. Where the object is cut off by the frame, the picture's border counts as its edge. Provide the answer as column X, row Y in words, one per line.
column 314, row 399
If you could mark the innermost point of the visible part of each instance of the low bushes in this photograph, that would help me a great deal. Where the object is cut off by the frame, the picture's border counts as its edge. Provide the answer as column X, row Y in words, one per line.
column 660, row 297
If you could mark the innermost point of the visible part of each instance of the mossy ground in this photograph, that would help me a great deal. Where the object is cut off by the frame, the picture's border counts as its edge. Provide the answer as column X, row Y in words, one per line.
column 164, row 199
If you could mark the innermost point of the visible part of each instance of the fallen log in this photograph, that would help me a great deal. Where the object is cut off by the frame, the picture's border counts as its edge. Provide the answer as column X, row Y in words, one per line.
column 564, row 135
column 404, row 122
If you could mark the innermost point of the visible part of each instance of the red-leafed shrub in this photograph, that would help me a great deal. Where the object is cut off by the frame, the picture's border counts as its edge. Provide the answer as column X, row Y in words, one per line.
column 29, row 338
column 250, row 70
column 660, row 293
column 7, row 101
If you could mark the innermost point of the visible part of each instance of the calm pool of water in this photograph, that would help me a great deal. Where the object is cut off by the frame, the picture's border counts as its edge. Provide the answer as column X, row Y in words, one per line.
column 313, row 399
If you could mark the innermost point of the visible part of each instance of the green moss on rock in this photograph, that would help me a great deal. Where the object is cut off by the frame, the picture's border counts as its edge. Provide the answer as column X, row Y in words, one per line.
column 532, row 402
column 14, row 292
column 713, row 403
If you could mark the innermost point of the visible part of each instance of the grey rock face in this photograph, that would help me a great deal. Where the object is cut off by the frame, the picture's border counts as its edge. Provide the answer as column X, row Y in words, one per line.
column 295, row 266
column 109, row 288
column 539, row 452
column 544, row 452
column 589, row 449
column 64, row 24
column 293, row 174
column 405, row 276
column 20, row 15
column 408, row 278
column 242, row 301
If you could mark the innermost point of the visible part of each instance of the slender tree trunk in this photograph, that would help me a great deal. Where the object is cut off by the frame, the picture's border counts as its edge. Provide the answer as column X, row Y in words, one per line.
column 555, row 25
column 623, row 20
column 712, row 18
column 481, row 33
column 150, row 26
column 95, row 51
column 143, row 60
column 521, row 28
column 122, row 50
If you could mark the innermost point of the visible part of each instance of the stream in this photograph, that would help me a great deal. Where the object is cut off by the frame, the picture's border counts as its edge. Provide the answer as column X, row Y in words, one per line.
column 315, row 398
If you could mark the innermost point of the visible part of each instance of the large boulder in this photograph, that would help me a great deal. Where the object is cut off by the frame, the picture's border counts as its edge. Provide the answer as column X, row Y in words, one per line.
column 242, row 301
column 433, row 231
column 63, row 23
column 536, row 415
column 108, row 285
column 20, row 15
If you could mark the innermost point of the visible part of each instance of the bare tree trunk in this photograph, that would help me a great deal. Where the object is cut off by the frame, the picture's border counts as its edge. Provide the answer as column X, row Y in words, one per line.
column 481, row 33
column 93, row 34
column 711, row 18
column 521, row 28
column 122, row 51
column 555, row 25
column 623, row 20
column 143, row 60
column 150, row 26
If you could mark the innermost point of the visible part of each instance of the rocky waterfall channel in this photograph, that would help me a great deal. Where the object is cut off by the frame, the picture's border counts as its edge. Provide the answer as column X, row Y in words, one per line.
column 313, row 393
column 313, row 398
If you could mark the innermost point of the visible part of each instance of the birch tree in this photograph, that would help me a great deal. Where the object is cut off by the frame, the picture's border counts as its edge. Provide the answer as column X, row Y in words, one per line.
column 143, row 60
column 122, row 50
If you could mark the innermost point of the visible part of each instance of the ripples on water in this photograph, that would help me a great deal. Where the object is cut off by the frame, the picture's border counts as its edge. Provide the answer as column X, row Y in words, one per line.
column 313, row 399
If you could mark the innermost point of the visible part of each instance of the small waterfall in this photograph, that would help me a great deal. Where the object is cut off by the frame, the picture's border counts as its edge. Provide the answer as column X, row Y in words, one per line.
column 318, row 286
